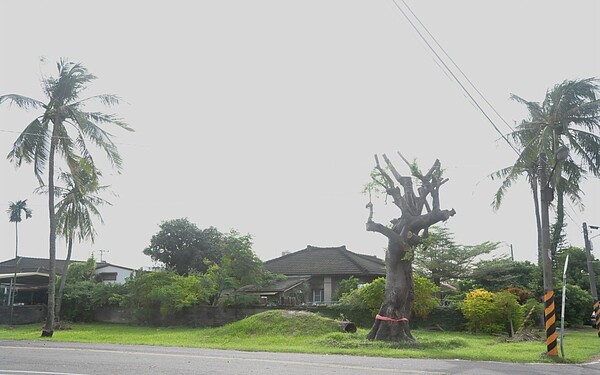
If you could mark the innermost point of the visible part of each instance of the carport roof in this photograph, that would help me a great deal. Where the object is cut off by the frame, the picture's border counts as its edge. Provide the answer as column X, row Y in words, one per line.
column 25, row 279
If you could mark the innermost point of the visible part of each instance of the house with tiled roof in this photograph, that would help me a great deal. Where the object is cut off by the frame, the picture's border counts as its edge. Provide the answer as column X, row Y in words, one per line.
column 325, row 267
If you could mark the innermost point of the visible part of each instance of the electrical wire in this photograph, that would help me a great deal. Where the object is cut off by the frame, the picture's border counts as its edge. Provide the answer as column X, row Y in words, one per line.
column 456, row 65
column 453, row 75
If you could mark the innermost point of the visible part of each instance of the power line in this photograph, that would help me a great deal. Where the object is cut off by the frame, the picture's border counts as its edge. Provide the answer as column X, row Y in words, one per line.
column 452, row 73
column 456, row 65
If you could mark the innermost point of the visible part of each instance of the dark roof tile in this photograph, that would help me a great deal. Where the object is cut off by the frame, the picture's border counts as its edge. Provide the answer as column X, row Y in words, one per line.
column 326, row 261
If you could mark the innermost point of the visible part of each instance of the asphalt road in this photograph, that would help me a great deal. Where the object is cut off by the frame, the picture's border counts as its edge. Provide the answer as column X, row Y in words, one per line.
column 55, row 358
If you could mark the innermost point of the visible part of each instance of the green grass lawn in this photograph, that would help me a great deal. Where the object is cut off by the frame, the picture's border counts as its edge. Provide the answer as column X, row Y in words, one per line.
column 296, row 332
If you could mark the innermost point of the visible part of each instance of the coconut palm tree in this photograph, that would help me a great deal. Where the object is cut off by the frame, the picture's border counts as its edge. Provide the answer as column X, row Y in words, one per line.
column 569, row 116
column 14, row 216
column 74, row 213
column 66, row 129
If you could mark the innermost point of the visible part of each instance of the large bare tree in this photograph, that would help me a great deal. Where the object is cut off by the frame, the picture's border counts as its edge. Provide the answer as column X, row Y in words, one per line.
column 419, row 210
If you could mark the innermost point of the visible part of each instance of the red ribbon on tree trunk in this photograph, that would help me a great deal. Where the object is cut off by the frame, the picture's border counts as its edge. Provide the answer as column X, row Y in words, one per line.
column 379, row 317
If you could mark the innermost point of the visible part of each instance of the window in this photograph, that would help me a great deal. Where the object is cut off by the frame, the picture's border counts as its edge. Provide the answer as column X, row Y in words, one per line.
column 318, row 295
column 108, row 276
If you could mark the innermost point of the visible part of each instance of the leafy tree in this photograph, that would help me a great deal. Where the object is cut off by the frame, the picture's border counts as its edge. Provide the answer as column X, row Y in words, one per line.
column 499, row 274
column 237, row 267
column 418, row 213
column 217, row 279
column 568, row 116
column 182, row 246
column 245, row 267
column 440, row 258
column 66, row 129
column 14, row 216
column 577, row 270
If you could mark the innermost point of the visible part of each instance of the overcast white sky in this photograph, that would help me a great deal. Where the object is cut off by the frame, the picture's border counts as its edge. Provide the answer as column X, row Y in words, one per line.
column 264, row 116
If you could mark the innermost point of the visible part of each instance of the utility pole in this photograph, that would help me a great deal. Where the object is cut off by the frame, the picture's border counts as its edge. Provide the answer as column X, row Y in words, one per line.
column 546, row 196
column 590, row 266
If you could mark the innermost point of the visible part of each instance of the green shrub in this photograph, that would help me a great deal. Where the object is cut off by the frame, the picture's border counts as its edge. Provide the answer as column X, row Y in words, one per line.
column 425, row 297
column 164, row 291
column 578, row 305
column 346, row 286
column 370, row 297
column 82, row 298
column 508, row 311
column 491, row 312
column 478, row 308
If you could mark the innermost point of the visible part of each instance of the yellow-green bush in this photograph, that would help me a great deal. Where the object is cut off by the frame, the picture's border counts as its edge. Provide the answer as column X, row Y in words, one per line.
column 491, row 312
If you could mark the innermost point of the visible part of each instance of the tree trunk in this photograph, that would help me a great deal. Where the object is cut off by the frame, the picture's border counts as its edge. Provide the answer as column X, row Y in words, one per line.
column 16, row 240
column 398, row 300
column 63, row 280
column 538, row 221
column 557, row 229
column 48, row 329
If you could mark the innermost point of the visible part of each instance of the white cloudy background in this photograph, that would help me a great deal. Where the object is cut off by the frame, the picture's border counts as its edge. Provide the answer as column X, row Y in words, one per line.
column 264, row 116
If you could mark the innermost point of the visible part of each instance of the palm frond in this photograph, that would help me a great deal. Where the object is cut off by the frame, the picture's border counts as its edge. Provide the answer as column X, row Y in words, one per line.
column 108, row 100
column 98, row 136
column 32, row 146
column 21, row 101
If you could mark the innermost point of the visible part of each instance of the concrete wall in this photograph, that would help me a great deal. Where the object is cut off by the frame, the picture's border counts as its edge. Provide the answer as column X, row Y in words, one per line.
column 197, row 316
column 23, row 314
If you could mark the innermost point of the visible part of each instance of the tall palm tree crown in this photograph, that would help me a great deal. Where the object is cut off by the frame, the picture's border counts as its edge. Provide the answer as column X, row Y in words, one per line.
column 79, row 203
column 63, row 128
column 16, row 208
column 569, row 116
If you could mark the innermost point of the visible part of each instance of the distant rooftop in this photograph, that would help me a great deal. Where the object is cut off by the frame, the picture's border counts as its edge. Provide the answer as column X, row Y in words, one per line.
column 42, row 265
column 327, row 261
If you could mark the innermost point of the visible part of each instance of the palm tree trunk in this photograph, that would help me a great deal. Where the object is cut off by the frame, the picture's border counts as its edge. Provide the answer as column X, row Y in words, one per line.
column 16, row 239
column 63, row 279
column 48, row 329
column 557, row 228
column 538, row 220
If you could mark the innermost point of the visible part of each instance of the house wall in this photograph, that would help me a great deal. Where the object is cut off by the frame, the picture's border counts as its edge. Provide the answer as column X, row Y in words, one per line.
column 122, row 273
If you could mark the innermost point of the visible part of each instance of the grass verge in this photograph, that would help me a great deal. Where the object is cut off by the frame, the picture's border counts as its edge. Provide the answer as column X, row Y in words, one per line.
column 301, row 332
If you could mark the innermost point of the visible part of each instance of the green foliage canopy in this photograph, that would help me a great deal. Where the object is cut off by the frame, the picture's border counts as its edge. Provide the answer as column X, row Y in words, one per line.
column 440, row 258
column 371, row 295
column 180, row 245
column 498, row 274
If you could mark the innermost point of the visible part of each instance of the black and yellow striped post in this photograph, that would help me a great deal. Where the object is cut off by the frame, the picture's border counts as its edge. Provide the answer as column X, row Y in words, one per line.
column 546, row 196
column 597, row 315
column 550, row 320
